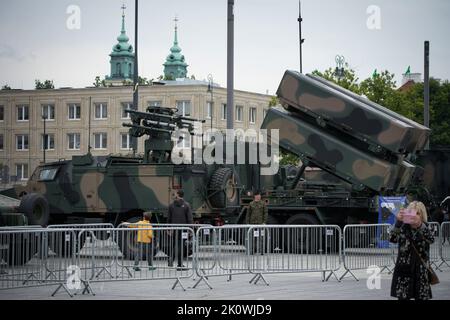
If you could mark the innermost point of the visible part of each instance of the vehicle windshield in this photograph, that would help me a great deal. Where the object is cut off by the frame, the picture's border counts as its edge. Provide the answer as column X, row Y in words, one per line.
column 48, row 174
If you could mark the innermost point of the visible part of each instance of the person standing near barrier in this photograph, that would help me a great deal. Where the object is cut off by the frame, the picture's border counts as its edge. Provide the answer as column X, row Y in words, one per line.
column 412, row 277
column 144, row 241
column 257, row 213
column 179, row 213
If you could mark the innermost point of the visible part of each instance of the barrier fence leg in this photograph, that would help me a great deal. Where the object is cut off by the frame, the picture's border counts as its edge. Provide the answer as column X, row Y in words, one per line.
column 62, row 285
column 104, row 269
column 128, row 271
column 444, row 262
column 345, row 273
column 87, row 288
column 29, row 278
column 436, row 266
column 178, row 282
column 386, row 268
column 258, row 277
column 202, row 278
column 332, row 273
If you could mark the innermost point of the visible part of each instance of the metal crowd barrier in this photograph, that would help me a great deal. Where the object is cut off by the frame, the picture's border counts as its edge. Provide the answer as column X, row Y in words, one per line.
column 26, row 261
column 72, row 257
column 435, row 247
column 294, row 249
column 366, row 245
column 221, row 251
column 445, row 244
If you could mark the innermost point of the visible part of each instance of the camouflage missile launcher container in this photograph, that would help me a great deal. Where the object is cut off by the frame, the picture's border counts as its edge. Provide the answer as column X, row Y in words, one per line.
column 367, row 124
column 346, row 135
column 330, row 153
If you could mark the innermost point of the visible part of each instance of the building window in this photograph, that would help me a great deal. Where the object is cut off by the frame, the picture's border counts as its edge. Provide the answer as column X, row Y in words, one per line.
column 154, row 104
column 127, row 106
column 239, row 112
column 100, row 140
column 22, row 171
column 125, row 139
column 74, row 112
column 209, row 110
column 2, row 113
column 48, row 112
column 252, row 115
column 184, row 108
column 224, row 111
column 1, row 142
column 22, row 142
column 101, row 111
column 48, row 142
column 23, row 113
column 73, row 141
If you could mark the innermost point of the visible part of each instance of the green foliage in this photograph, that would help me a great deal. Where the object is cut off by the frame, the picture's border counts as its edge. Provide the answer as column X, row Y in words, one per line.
column 6, row 87
column 379, row 88
column 99, row 82
column 348, row 81
column 274, row 101
column 47, row 84
column 288, row 158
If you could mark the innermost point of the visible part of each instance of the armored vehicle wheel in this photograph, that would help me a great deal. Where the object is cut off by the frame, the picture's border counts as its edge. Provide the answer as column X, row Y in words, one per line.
column 303, row 240
column 36, row 208
column 222, row 188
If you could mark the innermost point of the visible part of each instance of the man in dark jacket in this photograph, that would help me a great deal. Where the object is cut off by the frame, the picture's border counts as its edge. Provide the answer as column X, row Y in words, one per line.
column 179, row 213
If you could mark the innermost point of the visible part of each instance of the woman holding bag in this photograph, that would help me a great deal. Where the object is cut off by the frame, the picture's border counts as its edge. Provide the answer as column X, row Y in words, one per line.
column 412, row 273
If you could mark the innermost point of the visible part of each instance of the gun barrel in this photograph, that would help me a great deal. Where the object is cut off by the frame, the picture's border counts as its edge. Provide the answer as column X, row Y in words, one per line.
column 146, row 128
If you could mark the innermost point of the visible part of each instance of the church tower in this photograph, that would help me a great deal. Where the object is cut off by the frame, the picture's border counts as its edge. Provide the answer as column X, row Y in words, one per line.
column 122, row 58
column 175, row 66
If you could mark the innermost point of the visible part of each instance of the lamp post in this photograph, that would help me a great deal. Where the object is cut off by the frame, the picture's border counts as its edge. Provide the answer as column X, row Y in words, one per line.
column 339, row 72
column 44, row 140
column 210, row 90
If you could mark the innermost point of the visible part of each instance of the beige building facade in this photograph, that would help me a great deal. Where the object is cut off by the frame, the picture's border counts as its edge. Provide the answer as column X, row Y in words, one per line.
column 77, row 118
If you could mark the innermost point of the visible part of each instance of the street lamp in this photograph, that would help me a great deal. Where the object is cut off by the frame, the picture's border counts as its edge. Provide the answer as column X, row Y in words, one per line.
column 44, row 138
column 210, row 90
column 339, row 71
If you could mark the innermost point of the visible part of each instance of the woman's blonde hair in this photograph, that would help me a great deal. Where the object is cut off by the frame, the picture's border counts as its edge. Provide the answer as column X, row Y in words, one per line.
column 421, row 210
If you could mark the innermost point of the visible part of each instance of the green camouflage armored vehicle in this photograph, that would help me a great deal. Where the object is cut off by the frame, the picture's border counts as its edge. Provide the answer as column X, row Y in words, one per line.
column 114, row 189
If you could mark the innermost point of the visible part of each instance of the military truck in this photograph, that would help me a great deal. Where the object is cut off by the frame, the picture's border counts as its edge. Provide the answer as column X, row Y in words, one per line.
column 358, row 151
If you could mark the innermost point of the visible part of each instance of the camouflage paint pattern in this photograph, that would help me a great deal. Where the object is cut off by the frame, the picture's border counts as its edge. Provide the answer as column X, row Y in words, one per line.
column 420, row 132
column 328, row 152
column 374, row 126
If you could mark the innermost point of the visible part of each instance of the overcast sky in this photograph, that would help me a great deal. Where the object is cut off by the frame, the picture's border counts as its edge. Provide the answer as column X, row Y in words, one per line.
column 35, row 42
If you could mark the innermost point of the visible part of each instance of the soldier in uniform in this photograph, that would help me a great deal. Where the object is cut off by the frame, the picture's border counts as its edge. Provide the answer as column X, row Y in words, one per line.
column 257, row 213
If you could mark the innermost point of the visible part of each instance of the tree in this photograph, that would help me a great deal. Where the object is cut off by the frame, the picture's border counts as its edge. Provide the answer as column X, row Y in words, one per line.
column 6, row 87
column 379, row 88
column 192, row 77
column 274, row 101
column 47, row 84
column 348, row 81
column 99, row 82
